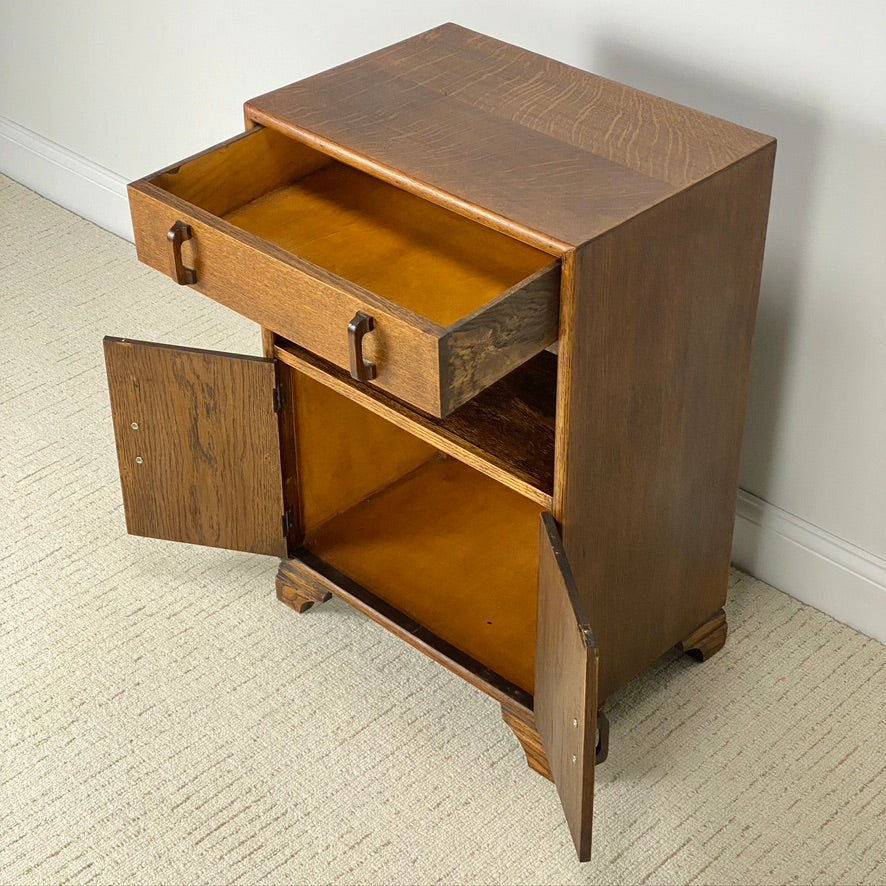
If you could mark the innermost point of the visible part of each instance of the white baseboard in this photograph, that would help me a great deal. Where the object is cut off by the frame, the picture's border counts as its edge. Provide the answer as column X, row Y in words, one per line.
column 810, row 564
column 800, row 559
column 65, row 178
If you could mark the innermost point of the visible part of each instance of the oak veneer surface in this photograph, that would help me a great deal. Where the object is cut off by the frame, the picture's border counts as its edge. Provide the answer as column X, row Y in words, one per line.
column 279, row 291
column 528, row 144
column 453, row 550
column 300, row 259
column 197, row 445
column 653, row 413
column 420, row 256
column 566, row 685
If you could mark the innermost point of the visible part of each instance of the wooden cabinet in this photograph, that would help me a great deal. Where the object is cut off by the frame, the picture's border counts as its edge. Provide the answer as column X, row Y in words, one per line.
column 507, row 310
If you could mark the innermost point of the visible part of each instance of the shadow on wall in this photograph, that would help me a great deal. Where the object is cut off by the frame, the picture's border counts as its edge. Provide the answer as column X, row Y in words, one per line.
column 798, row 135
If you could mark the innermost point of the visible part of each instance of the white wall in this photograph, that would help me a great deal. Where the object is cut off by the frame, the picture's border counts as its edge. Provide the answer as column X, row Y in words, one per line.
column 130, row 87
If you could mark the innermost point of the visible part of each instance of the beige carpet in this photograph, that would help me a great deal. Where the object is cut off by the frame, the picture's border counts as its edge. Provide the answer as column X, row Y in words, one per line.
column 164, row 720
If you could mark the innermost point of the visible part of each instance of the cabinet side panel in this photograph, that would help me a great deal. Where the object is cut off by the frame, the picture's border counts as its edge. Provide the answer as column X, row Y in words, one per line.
column 659, row 353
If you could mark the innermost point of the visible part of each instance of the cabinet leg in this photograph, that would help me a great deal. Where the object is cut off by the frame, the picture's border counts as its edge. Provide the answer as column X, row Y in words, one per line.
column 708, row 639
column 296, row 589
column 522, row 723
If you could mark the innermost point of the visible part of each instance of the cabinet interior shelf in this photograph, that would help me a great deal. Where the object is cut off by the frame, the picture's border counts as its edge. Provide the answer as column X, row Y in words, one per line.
column 506, row 432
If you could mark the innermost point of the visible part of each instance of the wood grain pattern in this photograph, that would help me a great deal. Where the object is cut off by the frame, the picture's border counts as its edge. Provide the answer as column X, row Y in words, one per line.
column 298, row 589
column 308, row 573
column 565, row 702
column 297, row 259
column 484, row 347
column 198, row 445
column 300, row 301
column 657, row 358
column 345, row 452
column 565, row 387
column 633, row 129
column 268, row 342
column 453, row 550
column 656, row 216
column 522, row 723
column 706, row 640
column 542, row 150
column 506, row 432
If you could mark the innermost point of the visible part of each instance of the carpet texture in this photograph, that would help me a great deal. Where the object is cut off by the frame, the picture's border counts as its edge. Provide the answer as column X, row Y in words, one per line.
column 163, row 719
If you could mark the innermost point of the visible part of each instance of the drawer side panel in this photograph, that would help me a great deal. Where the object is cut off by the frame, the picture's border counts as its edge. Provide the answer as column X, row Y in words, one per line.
column 503, row 335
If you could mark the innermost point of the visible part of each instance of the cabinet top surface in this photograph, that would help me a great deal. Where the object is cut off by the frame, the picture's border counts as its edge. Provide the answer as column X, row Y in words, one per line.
column 534, row 144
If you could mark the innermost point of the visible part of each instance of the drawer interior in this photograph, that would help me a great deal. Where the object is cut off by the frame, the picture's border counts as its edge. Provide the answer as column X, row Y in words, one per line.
column 421, row 256
column 451, row 548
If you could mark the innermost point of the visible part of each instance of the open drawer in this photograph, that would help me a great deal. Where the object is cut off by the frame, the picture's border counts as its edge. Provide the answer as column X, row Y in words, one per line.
column 428, row 305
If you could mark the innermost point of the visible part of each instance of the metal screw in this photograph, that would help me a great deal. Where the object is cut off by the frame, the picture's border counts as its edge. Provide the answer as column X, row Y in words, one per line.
column 574, row 759
column 134, row 426
column 139, row 460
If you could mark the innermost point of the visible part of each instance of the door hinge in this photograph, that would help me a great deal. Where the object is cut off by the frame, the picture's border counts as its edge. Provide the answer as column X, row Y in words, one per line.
column 278, row 399
column 287, row 521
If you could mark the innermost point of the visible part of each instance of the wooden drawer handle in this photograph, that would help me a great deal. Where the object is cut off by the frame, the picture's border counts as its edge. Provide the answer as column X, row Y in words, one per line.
column 362, row 370
column 177, row 235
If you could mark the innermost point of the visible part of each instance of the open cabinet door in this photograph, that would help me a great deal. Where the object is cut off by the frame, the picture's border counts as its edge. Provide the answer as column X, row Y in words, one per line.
column 198, row 445
column 566, row 686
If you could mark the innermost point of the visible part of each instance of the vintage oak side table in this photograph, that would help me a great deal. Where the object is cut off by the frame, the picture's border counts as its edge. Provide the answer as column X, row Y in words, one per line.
column 507, row 310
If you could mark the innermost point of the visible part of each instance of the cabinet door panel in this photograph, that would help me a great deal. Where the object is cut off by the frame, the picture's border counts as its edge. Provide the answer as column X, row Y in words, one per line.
column 566, row 686
column 198, row 445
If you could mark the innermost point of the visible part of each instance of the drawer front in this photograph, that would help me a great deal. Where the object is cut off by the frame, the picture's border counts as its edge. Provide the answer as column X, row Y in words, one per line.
column 301, row 303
